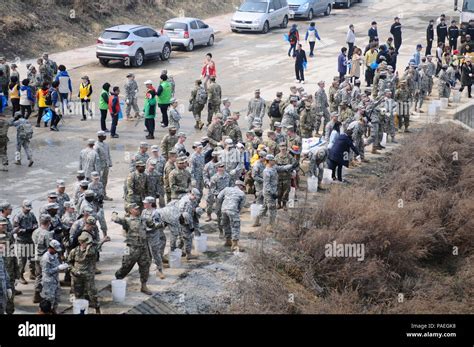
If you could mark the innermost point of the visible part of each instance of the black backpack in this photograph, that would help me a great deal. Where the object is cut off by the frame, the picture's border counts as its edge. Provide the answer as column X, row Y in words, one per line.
column 48, row 100
column 274, row 111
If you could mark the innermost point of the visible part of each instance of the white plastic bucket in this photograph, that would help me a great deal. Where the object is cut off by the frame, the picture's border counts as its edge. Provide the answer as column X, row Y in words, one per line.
column 175, row 258
column 201, row 243
column 444, row 103
column 119, row 290
column 292, row 194
column 80, row 306
column 255, row 210
column 312, row 184
column 457, row 96
column 432, row 110
column 384, row 140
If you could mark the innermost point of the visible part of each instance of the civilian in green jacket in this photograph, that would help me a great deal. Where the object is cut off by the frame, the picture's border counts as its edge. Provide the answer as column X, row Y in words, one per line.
column 150, row 109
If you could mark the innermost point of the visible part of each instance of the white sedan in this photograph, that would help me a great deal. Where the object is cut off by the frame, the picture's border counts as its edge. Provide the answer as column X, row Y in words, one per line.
column 188, row 32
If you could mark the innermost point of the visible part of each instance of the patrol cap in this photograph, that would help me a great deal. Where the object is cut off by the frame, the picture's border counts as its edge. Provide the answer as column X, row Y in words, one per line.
column 143, row 144
column 91, row 220
column 225, row 100
column 153, row 162
column 81, row 173
column 85, row 237
column 239, row 183
column 133, row 206
column 130, row 75
column 60, row 183
column 195, row 191
column 220, row 164
column 181, row 134
column 84, row 184
column 173, row 128
column 68, row 204
column 54, row 244
column 52, row 195
column 239, row 145
column 277, row 125
column 289, row 127
column 45, row 218
column 279, row 94
column 204, row 139
column 215, row 153
column 387, row 91
column 88, row 210
column 197, row 144
column 250, row 132
column 90, row 141
column 149, row 200
column 321, row 82
column 270, row 157
column 88, row 193
column 139, row 164
column 101, row 133
column 27, row 204
column 257, row 90
column 293, row 99
column 182, row 160
column 5, row 206
column 3, row 221
column 229, row 142
column 172, row 152
column 262, row 154
column 155, row 148
column 173, row 101
column 52, row 206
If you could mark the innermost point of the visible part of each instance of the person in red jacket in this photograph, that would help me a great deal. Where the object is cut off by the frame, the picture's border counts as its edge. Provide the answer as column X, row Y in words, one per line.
column 208, row 70
column 114, row 110
column 293, row 38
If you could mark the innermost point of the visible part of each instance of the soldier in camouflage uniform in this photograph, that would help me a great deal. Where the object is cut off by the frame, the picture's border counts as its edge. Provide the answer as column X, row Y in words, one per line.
column 356, row 95
column 89, row 159
column 286, row 164
column 232, row 130
column 98, row 188
column 196, row 165
column 137, row 186
column 444, row 83
column 226, row 112
column 358, row 131
column 290, row 116
column 317, row 158
column 231, row 200
column 137, row 250
column 11, row 263
column 280, row 137
column 50, row 266
column 423, row 88
column 24, row 223
column 270, row 191
column 346, row 115
column 257, row 175
column 210, row 169
column 376, row 121
column 131, row 92
column 141, row 155
column 62, row 196
column 218, row 182
column 6, row 290
column 156, row 238
column 292, row 139
column 159, row 164
column 255, row 109
column 333, row 105
column 186, row 207
column 390, row 109
column 4, row 124
column 197, row 102
column 24, row 134
column 214, row 92
column 169, row 166
column 168, row 142
column 180, row 147
column 307, row 120
column 402, row 97
column 274, row 112
column 430, row 72
column 179, row 179
column 41, row 238
column 105, row 160
column 68, row 219
column 215, row 131
column 232, row 159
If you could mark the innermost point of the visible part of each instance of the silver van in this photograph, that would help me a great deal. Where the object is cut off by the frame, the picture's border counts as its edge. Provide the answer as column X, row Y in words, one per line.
column 309, row 8
column 260, row 15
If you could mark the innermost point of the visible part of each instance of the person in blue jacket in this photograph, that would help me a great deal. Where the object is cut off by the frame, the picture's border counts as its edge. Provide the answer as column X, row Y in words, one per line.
column 65, row 87
column 339, row 154
column 311, row 36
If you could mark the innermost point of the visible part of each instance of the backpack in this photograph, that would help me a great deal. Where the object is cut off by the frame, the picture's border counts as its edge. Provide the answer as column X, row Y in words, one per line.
column 25, row 130
column 48, row 100
column 274, row 111
column 293, row 36
column 201, row 97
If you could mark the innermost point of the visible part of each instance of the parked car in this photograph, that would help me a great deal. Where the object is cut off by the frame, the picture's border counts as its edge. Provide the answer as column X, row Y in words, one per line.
column 345, row 3
column 260, row 15
column 309, row 8
column 132, row 44
column 188, row 32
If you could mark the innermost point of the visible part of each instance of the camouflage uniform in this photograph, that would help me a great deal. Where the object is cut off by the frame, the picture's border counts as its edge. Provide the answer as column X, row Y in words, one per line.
column 217, row 184
column 290, row 117
column 233, row 132
column 166, row 183
column 139, row 156
column 316, row 164
column 41, row 238
column 137, row 251
column 320, row 106
column 50, row 279
column 23, row 226
column 356, row 98
column 402, row 96
column 214, row 133
column 214, row 92
column 430, row 72
column 167, row 144
column 174, row 118
column 307, row 122
column 232, row 160
column 186, row 210
column 89, row 161
column 284, row 176
column 358, row 131
column 155, row 235
column 98, row 189
column 257, row 175
column 83, row 266
column 391, row 108
column 131, row 91
column 444, row 85
column 105, row 162
column 11, row 265
column 22, row 138
column 180, row 182
column 170, row 215
column 137, row 188
column 196, row 164
column 4, row 286
column 231, row 200
column 255, row 111
column 423, row 89
column 4, row 124
column 333, row 104
column 280, row 138
column 270, row 193
column 195, row 106
column 272, row 146
column 61, row 199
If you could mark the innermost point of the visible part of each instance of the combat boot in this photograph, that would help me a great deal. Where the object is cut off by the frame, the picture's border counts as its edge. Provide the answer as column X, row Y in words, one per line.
column 320, row 187
column 221, row 234
column 97, row 310
column 284, row 207
column 165, row 259
column 228, row 243
column 189, row 257
column 22, row 279
column 30, row 164
column 406, row 130
column 279, row 205
column 37, row 298
column 374, row 151
column 137, row 115
column 144, row 289
column 201, row 125
column 196, row 126
column 160, row 275
column 235, row 246
column 32, row 277
column 209, row 218
column 18, row 162
column 4, row 168
column 257, row 222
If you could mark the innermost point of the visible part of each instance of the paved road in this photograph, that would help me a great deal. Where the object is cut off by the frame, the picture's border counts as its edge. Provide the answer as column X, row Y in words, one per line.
column 244, row 62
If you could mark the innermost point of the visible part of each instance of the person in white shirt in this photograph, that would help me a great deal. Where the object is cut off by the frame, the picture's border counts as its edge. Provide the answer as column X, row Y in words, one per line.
column 350, row 40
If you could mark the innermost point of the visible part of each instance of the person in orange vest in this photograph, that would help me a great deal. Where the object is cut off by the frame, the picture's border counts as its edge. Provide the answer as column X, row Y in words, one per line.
column 14, row 94
column 41, row 99
column 85, row 92
column 114, row 110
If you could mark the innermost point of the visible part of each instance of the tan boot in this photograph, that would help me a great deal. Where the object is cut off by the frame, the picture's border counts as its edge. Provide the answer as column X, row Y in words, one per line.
column 374, row 151
column 189, row 257
column 160, row 275
column 257, row 222
column 228, row 243
column 144, row 289
column 235, row 246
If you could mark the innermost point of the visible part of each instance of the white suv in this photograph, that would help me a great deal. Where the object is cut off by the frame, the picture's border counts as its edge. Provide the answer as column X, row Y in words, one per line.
column 260, row 15
column 133, row 44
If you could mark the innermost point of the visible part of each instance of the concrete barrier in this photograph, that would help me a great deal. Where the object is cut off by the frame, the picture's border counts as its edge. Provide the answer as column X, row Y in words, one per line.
column 465, row 114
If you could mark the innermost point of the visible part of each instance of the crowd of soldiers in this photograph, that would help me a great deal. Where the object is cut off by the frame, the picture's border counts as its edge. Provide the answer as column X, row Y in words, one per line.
column 172, row 185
